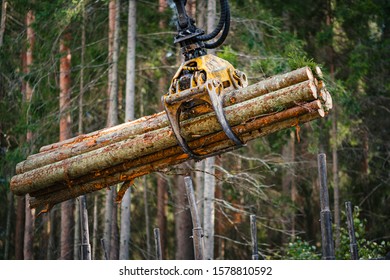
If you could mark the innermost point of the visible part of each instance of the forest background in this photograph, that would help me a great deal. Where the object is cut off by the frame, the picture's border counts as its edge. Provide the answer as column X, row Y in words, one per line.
column 274, row 178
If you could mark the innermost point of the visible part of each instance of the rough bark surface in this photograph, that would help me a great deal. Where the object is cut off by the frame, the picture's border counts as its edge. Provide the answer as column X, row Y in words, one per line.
column 148, row 144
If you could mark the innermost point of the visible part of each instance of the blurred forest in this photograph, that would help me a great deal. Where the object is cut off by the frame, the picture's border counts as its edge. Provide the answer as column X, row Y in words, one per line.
column 274, row 177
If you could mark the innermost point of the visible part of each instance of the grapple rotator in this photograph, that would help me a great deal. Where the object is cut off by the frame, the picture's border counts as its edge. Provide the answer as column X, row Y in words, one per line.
column 201, row 78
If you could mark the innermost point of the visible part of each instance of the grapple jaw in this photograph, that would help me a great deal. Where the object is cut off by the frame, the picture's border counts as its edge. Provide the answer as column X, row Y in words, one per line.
column 204, row 79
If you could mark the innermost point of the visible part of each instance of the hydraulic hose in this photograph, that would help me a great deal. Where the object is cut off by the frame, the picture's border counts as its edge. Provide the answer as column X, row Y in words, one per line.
column 223, row 35
column 222, row 21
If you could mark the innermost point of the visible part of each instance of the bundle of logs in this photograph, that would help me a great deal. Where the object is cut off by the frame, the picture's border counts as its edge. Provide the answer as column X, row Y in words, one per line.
column 119, row 154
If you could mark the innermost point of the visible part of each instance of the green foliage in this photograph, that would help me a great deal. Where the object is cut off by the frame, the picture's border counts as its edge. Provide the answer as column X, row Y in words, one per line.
column 367, row 249
column 228, row 54
column 301, row 250
column 297, row 58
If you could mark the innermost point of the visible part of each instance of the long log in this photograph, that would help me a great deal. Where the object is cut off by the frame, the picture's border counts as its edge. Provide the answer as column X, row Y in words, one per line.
column 201, row 145
column 95, row 140
column 268, row 85
column 160, row 139
column 219, row 142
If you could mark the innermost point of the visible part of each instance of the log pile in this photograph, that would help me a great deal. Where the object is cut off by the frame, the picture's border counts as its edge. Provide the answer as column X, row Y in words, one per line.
column 100, row 159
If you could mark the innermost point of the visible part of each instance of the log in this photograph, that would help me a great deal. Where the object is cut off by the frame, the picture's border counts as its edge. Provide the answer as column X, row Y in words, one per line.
column 268, row 85
column 200, row 145
column 122, row 153
column 95, row 140
column 163, row 159
column 153, row 141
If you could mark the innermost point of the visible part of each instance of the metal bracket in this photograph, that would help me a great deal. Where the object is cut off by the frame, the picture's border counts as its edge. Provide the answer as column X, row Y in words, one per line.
column 210, row 92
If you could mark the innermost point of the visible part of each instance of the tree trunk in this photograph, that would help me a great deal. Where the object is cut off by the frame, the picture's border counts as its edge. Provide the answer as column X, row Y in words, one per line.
column 209, row 208
column 129, row 115
column 95, row 227
column 114, row 246
column 199, row 183
column 219, row 216
column 162, row 202
column 19, row 228
column 183, row 222
column 162, row 184
column 85, row 245
column 28, row 252
column 112, row 115
column 67, row 215
column 294, row 192
column 78, row 211
column 51, row 235
column 147, row 219
column 114, row 16
column 2, row 20
column 82, row 65
column 201, row 8
column 211, row 16
column 10, row 210
column 209, row 165
column 77, row 233
column 29, row 213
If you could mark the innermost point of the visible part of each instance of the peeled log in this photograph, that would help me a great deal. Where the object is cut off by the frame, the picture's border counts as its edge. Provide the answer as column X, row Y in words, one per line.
column 95, row 140
column 218, row 142
column 153, row 141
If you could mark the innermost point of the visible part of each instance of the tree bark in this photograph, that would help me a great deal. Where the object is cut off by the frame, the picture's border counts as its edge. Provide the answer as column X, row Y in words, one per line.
column 147, row 219
column 85, row 245
column 10, row 210
column 67, row 215
column 29, row 214
column 173, row 156
column 154, row 141
column 28, row 252
column 114, row 16
column 95, row 227
column 112, row 115
column 209, row 208
column 129, row 115
column 82, row 65
column 159, row 120
column 19, row 228
column 162, row 202
column 209, row 166
column 2, row 21
column 183, row 223
column 211, row 15
column 144, row 153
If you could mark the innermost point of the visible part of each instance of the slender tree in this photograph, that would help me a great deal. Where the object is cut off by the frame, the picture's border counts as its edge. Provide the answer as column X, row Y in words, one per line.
column 19, row 227
column 183, row 222
column 162, row 185
column 2, row 21
column 67, row 214
column 129, row 115
column 29, row 213
column 110, row 222
column 209, row 167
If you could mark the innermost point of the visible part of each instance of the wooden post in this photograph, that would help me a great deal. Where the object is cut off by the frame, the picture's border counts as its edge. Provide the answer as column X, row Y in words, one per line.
column 325, row 216
column 158, row 243
column 255, row 254
column 85, row 245
column 353, row 248
column 197, row 231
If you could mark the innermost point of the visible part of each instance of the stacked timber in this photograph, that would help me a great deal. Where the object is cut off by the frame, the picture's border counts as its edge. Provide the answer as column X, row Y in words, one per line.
column 100, row 159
